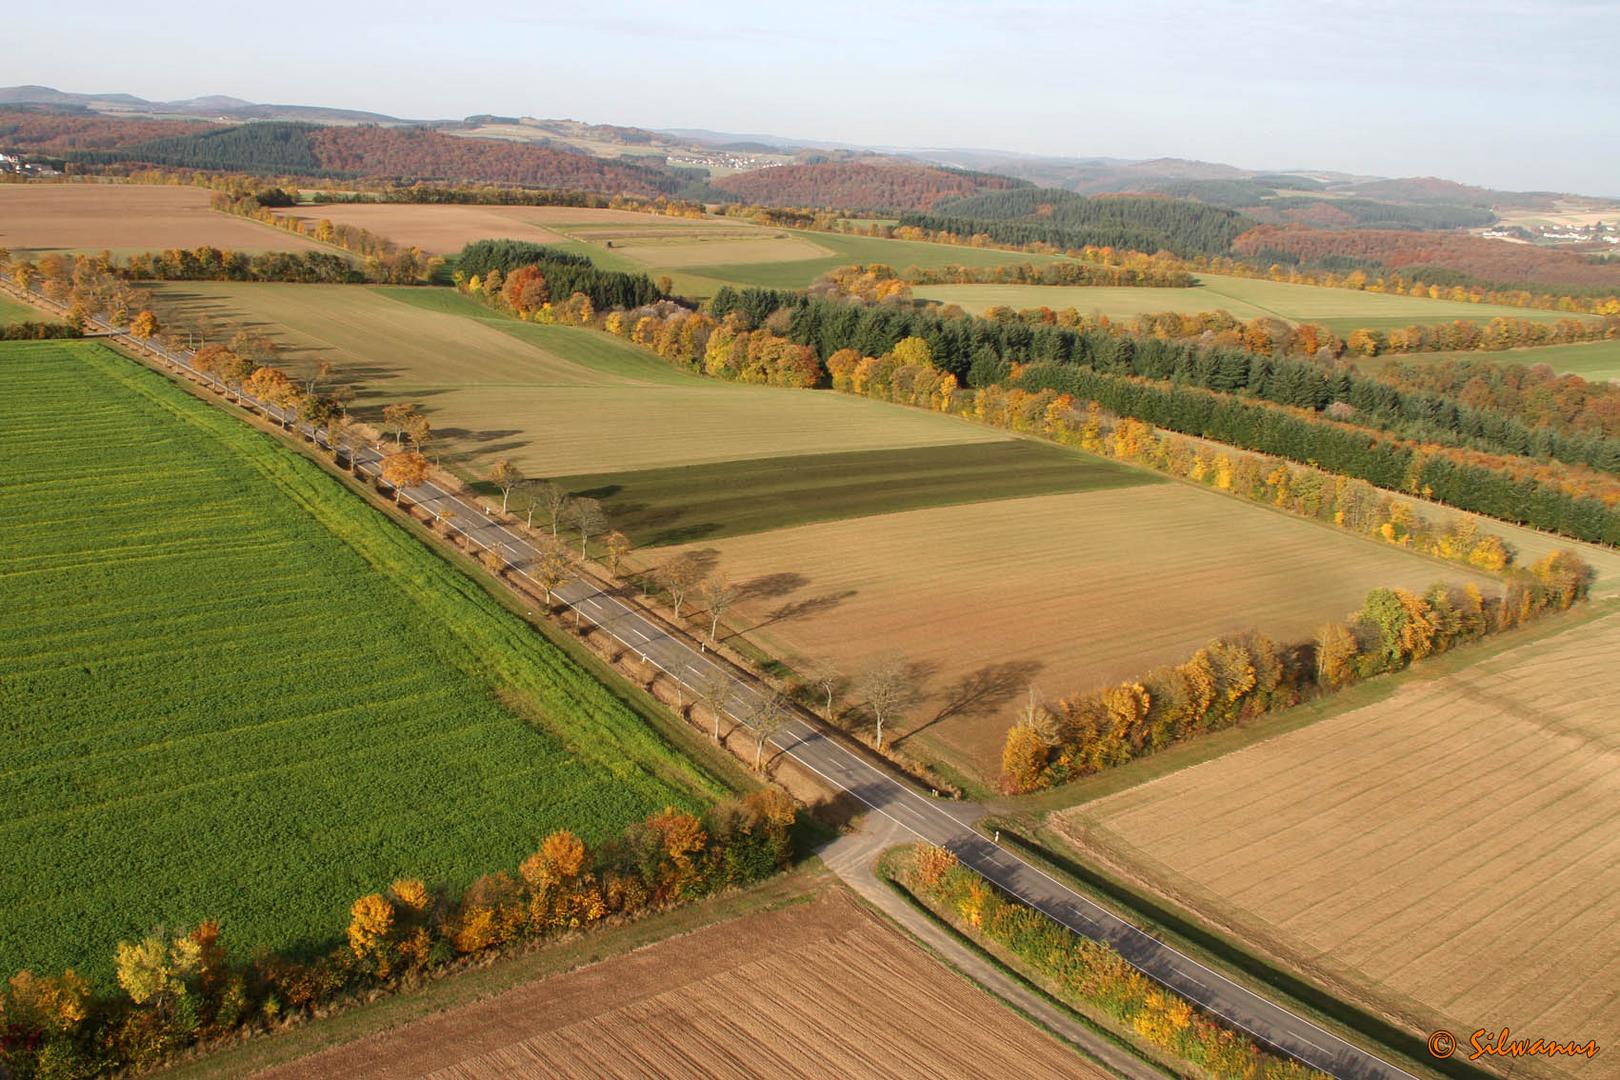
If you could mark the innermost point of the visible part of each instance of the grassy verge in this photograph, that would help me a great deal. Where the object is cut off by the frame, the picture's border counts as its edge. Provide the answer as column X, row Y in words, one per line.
column 886, row 872
column 467, row 986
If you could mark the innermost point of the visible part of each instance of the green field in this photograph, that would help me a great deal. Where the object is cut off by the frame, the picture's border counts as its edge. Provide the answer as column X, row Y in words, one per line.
column 702, row 279
column 556, row 400
column 233, row 690
column 1594, row 360
column 15, row 311
column 844, row 250
column 707, row 502
column 1342, row 310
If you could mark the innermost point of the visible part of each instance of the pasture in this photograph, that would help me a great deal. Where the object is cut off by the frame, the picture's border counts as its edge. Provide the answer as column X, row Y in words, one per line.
column 728, row 498
column 15, row 311
column 1593, row 360
column 842, row 250
column 233, row 690
column 823, row 988
column 125, row 219
column 556, row 400
column 1341, row 310
column 1060, row 592
column 1450, row 852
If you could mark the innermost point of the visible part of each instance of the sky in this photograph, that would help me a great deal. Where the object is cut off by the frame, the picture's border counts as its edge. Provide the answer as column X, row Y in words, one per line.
column 1519, row 95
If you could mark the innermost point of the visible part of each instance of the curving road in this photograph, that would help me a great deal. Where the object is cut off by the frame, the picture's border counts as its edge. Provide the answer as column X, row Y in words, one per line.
column 949, row 824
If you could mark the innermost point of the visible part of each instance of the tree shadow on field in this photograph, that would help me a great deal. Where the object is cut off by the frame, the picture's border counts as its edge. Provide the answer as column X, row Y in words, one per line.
column 772, row 586
column 982, row 692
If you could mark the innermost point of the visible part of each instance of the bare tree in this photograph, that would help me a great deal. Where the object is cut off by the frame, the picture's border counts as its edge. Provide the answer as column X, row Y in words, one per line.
column 677, row 577
column 831, row 683
column 888, row 687
column 588, row 519
column 556, row 501
column 716, row 594
column 766, row 718
column 505, row 476
column 321, row 372
column 716, row 690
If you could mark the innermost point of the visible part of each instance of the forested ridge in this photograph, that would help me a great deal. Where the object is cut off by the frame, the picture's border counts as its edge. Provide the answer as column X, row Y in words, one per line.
column 37, row 131
column 1144, row 223
column 400, row 153
column 1493, row 261
column 859, row 185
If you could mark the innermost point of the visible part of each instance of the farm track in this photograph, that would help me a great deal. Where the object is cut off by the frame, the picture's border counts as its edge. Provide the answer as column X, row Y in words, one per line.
column 950, row 826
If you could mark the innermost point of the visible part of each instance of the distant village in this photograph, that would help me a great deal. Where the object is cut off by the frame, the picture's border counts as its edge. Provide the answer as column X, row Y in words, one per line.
column 10, row 163
column 1599, row 232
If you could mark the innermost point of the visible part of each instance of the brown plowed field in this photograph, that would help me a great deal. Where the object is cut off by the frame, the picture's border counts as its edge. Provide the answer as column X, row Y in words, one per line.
column 1451, row 853
column 818, row 990
column 1063, row 592
column 126, row 218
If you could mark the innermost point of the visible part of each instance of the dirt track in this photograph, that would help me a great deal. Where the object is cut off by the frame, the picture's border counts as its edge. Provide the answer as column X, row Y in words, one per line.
column 819, row 989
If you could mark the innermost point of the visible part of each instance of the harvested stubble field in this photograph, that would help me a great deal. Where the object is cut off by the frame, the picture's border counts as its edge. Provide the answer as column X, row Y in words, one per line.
column 444, row 230
column 1342, row 310
column 127, row 218
column 1063, row 592
column 1450, row 852
column 729, row 498
column 233, row 690
column 819, row 989
column 557, row 400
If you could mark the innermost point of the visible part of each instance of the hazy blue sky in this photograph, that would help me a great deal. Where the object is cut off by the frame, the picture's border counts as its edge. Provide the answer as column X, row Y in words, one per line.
column 1522, row 95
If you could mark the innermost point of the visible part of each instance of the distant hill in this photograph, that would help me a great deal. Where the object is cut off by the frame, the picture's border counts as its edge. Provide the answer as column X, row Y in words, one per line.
column 213, row 106
column 859, row 185
column 39, row 129
column 393, row 153
column 1463, row 257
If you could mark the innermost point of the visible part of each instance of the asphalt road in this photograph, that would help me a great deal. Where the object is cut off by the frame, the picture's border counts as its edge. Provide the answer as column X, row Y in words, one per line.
column 947, row 823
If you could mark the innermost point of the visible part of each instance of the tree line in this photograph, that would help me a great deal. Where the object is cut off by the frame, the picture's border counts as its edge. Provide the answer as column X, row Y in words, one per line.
column 957, row 343
column 1236, row 678
column 565, row 272
column 1086, row 973
column 177, row 990
column 1146, row 271
column 381, row 258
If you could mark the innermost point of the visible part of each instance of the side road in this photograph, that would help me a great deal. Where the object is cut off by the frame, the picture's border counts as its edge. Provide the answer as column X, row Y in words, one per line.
column 853, row 857
column 950, row 825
